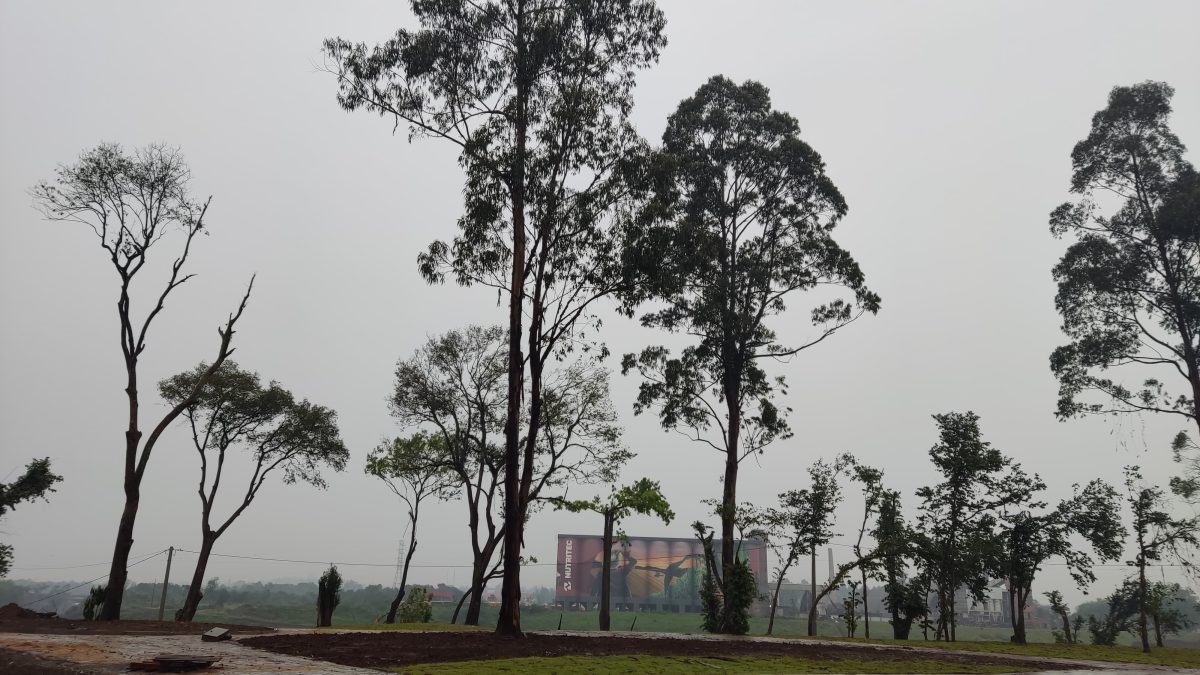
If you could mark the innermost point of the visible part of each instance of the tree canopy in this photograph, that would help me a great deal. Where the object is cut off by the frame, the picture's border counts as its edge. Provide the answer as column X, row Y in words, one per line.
column 737, row 221
column 1129, row 283
column 536, row 95
column 34, row 483
column 228, row 409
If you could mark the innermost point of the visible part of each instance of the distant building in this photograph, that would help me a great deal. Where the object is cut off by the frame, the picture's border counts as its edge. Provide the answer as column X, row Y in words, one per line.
column 648, row 573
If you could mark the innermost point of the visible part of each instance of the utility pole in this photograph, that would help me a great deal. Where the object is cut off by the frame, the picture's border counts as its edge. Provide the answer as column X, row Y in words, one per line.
column 162, row 602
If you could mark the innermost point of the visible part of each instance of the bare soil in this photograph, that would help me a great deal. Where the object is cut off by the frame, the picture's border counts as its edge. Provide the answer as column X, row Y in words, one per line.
column 401, row 648
column 15, row 661
column 15, row 619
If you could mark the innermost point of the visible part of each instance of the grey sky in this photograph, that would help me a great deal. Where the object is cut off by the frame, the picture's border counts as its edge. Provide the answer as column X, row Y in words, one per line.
column 948, row 126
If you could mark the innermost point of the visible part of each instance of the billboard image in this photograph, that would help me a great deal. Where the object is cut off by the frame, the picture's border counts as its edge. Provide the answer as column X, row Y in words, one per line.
column 645, row 570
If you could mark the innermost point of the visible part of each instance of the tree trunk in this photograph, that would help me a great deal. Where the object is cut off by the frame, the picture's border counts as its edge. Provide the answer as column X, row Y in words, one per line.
column 812, row 603
column 117, row 573
column 1012, row 607
column 729, row 514
column 1141, row 560
column 774, row 605
column 606, row 571
column 953, row 617
column 866, row 611
column 458, row 607
column 195, row 591
column 509, row 622
column 1022, row 598
column 479, row 577
column 412, row 548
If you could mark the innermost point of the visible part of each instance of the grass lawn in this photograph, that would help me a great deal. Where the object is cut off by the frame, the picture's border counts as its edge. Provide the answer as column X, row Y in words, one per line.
column 680, row 665
column 1165, row 656
column 429, row 627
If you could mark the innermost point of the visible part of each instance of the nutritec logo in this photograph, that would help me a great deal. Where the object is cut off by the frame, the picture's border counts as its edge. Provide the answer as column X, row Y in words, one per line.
column 567, row 557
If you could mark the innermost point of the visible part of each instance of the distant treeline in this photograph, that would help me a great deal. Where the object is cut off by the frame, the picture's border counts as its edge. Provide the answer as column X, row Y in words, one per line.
column 272, row 604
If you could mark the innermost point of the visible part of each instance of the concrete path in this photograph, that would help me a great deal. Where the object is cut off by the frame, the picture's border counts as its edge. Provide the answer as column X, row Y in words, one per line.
column 113, row 653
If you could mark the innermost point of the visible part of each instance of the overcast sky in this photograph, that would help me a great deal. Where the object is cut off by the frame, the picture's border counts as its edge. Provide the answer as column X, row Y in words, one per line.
column 948, row 126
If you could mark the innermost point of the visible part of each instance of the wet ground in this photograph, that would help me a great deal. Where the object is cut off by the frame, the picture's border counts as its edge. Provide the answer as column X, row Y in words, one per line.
column 53, row 652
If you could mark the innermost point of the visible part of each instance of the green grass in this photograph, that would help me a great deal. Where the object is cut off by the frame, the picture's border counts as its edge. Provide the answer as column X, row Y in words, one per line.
column 1164, row 656
column 427, row 627
column 680, row 665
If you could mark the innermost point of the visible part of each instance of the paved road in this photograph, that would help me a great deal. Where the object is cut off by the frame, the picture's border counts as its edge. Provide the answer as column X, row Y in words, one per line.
column 113, row 653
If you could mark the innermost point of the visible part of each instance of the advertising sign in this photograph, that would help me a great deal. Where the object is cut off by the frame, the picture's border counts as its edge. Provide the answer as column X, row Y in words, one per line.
column 645, row 570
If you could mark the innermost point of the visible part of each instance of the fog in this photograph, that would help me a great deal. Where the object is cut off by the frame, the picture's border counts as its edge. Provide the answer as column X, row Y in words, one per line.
column 948, row 127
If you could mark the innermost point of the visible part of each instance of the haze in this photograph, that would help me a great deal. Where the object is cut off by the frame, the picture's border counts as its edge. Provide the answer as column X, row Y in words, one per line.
column 948, row 126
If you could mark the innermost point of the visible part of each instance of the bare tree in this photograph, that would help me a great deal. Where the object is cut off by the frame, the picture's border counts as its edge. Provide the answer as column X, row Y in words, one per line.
column 131, row 202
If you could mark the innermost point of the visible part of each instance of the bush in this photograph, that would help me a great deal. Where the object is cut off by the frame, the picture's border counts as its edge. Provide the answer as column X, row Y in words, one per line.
column 416, row 607
column 329, row 594
column 738, row 583
column 95, row 600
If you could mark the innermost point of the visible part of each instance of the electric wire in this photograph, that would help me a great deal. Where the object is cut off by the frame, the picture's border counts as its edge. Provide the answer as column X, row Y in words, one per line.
column 50, row 597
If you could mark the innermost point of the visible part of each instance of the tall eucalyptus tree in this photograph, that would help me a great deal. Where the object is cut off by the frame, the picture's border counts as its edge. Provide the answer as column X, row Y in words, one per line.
column 535, row 94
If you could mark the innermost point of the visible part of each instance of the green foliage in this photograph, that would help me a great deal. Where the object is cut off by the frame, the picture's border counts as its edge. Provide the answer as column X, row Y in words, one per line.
column 725, row 596
column 1178, row 657
column 1157, row 536
column 680, row 665
column 537, row 97
column 416, row 608
column 229, row 408
column 1104, row 630
column 329, row 594
column 1126, row 285
column 1186, row 453
column 1030, row 538
column 643, row 496
column 850, row 608
column 94, row 601
column 408, row 466
column 904, row 598
column 234, row 409
column 1061, row 610
column 957, row 543
column 723, row 281
column 34, row 483
column 737, row 220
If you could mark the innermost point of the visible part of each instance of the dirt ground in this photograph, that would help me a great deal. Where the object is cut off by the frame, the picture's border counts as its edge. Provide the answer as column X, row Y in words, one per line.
column 14, row 619
column 15, row 661
column 384, row 649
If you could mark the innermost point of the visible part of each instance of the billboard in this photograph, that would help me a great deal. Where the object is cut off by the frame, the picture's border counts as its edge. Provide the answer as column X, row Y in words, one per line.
column 645, row 570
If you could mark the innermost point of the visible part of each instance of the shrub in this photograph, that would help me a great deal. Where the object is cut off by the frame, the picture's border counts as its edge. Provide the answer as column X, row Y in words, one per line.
column 95, row 600
column 329, row 594
column 416, row 607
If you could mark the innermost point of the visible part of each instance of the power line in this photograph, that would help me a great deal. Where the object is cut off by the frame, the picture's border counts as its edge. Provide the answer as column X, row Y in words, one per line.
column 365, row 564
column 49, row 597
